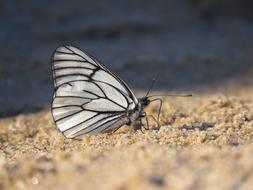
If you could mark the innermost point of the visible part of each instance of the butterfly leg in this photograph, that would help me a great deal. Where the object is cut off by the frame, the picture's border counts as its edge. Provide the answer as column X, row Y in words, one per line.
column 154, row 119
column 159, row 110
column 141, row 125
column 138, row 125
column 129, row 122
column 146, row 128
column 143, row 115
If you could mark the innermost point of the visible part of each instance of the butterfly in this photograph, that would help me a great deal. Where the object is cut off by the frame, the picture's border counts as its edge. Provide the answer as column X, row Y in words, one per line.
column 89, row 98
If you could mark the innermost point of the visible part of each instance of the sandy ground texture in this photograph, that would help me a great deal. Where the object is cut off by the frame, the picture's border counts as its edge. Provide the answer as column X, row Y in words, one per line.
column 204, row 143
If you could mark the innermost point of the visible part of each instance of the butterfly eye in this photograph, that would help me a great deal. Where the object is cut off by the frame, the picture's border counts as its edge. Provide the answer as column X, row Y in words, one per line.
column 143, row 114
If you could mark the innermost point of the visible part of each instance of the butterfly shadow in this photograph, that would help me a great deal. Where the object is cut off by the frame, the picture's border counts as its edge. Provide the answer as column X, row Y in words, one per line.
column 202, row 127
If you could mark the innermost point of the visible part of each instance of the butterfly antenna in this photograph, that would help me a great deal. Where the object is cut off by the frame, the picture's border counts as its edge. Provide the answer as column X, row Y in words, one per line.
column 151, row 86
column 176, row 95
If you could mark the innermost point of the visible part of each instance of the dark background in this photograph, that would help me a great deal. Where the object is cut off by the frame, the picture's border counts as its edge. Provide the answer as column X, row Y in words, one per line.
column 188, row 44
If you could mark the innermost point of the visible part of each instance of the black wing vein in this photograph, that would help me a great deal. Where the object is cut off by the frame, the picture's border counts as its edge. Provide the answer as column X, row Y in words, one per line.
column 105, row 105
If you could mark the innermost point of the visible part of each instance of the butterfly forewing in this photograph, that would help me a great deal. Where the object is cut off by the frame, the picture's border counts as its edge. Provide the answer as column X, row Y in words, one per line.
column 88, row 97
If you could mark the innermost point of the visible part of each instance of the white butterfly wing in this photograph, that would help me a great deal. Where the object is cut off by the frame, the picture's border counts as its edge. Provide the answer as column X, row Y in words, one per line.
column 88, row 97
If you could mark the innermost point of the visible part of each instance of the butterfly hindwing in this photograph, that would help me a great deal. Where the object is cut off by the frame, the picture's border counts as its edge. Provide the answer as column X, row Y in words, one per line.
column 88, row 97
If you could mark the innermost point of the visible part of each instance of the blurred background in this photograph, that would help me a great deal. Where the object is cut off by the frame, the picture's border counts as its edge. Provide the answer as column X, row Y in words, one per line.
column 191, row 45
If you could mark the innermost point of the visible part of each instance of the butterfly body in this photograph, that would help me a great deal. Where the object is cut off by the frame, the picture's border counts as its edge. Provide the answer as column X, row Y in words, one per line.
column 138, row 113
column 88, row 98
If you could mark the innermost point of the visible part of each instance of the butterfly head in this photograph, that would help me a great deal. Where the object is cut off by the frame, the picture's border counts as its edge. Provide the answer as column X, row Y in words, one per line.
column 144, row 101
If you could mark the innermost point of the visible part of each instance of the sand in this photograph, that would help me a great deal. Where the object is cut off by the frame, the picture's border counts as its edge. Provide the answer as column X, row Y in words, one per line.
column 205, row 142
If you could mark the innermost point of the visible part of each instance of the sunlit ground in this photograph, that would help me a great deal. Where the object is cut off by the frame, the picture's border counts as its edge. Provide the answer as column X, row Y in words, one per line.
column 204, row 142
